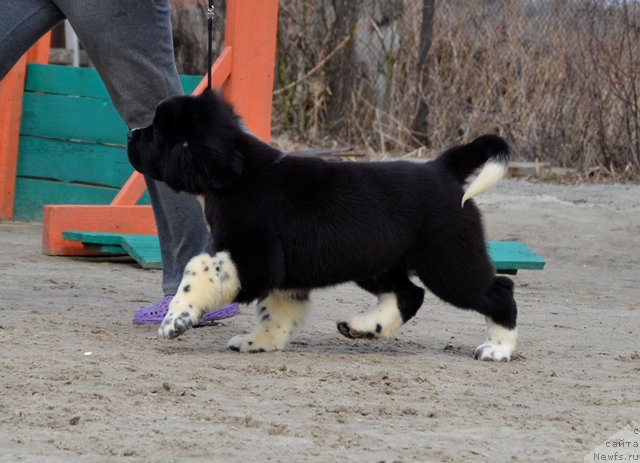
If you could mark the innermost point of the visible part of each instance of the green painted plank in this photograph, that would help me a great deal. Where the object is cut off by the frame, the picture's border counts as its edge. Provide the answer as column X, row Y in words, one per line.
column 72, row 118
column 189, row 83
column 144, row 249
column 67, row 80
column 513, row 255
column 32, row 194
column 73, row 162
column 107, row 239
column 64, row 80
column 507, row 256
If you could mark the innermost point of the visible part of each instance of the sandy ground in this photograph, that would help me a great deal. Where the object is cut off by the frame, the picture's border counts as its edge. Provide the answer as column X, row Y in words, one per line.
column 417, row 397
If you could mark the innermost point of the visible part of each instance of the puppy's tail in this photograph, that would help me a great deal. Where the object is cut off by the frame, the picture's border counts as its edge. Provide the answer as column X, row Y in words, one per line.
column 489, row 151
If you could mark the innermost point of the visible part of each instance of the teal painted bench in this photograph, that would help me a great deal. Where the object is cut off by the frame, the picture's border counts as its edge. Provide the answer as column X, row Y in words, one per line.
column 507, row 256
column 72, row 147
column 144, row 249
column 510, row 256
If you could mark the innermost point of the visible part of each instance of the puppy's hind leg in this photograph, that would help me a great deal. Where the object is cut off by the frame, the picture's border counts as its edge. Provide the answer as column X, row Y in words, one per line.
column 280, row 316
column 465, row 278
column 501, row 312
column 209, row 282
column 398, row 301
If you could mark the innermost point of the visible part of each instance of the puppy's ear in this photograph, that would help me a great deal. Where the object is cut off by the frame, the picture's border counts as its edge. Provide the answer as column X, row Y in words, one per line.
column 223, row 171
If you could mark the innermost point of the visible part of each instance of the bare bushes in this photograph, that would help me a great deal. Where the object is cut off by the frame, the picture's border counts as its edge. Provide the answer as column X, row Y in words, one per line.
column 560, row 79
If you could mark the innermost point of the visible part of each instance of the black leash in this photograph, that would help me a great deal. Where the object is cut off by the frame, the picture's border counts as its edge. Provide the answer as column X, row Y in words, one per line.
column 210, row 14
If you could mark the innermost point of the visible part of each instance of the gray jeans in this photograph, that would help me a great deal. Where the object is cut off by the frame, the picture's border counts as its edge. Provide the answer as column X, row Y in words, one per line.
column 130, row 43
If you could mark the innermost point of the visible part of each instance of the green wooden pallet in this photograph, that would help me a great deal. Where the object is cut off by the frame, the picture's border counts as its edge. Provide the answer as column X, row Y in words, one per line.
column 507, row 256
column 144, row 249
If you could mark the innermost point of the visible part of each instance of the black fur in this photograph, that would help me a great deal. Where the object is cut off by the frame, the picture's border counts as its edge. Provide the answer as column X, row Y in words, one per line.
column 301, row 223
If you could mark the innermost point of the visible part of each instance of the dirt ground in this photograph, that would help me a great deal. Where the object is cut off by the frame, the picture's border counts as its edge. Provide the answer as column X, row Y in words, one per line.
column 418, row 397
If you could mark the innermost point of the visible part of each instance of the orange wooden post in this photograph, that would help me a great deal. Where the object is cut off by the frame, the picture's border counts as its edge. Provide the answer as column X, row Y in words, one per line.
column 251, row 33
column 11, row 92
column 131, row 191
column 39, row 53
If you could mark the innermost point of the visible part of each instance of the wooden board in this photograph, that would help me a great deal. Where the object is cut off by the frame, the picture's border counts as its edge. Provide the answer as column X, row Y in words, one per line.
column 507, row 256
column 72, row 104
column 33, row 194
column 511, row 256
column 72, row 118
column 144, row 249
column 67, row 80
column 102, row 218
column 73, row 162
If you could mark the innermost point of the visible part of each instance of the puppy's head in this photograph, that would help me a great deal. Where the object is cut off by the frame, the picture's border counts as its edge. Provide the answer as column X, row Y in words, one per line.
column 191, row 144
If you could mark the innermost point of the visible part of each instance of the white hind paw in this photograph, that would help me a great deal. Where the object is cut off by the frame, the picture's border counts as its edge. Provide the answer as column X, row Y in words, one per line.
column 500, row 343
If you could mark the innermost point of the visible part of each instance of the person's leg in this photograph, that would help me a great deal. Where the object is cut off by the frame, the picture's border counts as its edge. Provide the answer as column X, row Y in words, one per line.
column 131, row 45
column 22, row 23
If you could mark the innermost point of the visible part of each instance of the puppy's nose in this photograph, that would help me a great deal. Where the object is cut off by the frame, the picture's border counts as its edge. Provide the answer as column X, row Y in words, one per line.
column 130, row 134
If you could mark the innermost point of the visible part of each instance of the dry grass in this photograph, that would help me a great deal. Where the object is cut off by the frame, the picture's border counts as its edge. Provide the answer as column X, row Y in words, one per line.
column 559, row 79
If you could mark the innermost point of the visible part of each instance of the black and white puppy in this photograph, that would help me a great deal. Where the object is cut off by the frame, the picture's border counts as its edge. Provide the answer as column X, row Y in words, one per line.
column 285, row 225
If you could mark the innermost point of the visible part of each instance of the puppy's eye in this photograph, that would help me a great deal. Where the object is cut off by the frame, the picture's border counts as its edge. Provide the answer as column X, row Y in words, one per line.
column 179, row 141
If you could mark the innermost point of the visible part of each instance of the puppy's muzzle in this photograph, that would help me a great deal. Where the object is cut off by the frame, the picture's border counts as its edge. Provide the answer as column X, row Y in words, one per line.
column 131, row 134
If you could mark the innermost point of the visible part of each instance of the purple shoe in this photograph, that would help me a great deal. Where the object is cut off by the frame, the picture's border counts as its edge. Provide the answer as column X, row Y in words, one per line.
column 155, row 313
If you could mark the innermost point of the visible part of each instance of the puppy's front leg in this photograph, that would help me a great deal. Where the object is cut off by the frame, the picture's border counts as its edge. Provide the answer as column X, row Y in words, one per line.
column 209, row 282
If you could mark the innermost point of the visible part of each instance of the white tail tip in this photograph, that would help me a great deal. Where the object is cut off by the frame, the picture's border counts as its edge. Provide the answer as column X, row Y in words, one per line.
column 490, row 174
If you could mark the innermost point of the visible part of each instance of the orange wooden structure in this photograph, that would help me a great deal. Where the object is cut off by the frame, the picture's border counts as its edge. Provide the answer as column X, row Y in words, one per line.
column 244, row 70
column 11, row 90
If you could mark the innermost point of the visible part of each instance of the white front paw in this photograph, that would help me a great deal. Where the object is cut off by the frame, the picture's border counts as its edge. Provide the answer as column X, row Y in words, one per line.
column 208, row 282
column 179, row 319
